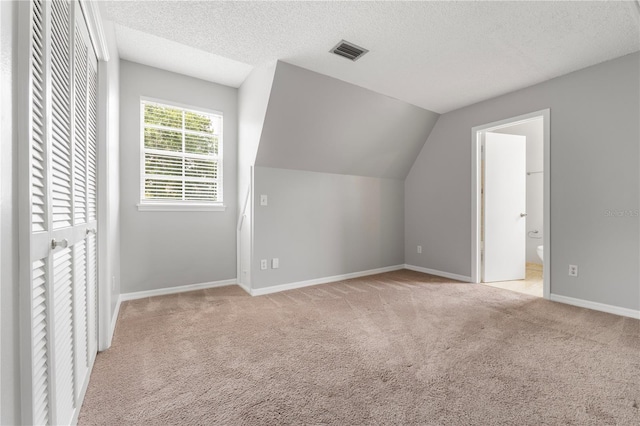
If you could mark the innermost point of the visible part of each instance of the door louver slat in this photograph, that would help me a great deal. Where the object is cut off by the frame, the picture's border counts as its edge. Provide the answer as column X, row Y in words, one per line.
column 62, row 282
column 92, row 143
column 39, row 344
column 38, row 214
column 92, row 294
column 80, row 155
column 80, row 318
column 61, row 117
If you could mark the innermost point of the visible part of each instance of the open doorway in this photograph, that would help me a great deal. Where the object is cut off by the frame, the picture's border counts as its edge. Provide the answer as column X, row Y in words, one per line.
column 510, row 204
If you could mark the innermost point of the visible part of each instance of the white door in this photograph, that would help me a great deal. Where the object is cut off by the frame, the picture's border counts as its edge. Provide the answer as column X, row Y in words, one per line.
column 58, row 216
column 504, row 213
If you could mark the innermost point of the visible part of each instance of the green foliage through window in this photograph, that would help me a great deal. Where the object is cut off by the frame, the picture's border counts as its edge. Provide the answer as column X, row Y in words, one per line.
column 182, row 154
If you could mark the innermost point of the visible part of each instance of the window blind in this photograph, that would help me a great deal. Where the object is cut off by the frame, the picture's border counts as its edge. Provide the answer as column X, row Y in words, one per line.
column 181, row 155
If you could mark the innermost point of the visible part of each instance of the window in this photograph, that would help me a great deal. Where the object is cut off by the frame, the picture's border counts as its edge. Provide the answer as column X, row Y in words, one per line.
column 181, row 161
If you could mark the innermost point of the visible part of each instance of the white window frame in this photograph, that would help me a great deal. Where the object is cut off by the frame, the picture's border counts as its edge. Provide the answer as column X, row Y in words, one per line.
column 181, row 205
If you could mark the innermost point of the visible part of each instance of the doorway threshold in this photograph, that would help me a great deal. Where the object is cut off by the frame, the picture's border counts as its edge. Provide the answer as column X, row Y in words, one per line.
column 531, row 285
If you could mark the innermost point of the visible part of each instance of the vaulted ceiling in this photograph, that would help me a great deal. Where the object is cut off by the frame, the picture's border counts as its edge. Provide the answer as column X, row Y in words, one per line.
column 436, row 55
column 321, row 124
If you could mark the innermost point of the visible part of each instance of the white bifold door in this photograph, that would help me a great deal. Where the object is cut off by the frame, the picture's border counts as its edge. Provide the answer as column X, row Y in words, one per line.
column 58, row 209
column 505, row 202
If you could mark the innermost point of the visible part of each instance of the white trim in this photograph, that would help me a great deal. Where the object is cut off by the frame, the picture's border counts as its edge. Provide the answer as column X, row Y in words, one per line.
column 476, row 159
column 114, row 320
column 83, row 392
column 596, row 306
column 252, row 182
column 24, row 234
column 435, row 272
column 104, row 241
column 2, row 154
column 334, row 278
column 245, row 288
column 218, row 158
column 245, row 219
column 174, row 290
column 186, row 207
column 93, row 19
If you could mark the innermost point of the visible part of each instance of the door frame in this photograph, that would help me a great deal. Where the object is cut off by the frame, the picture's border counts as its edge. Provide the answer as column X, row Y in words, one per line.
column 97, row 35
column 476, row 195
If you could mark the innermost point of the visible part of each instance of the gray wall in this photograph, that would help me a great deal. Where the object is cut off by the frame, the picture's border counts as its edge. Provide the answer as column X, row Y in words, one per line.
column 594, row 168
column 9, row 330
column 320, row 224
column 168, row 249
column 332, row 159
column 534, row 132
column 322, row 124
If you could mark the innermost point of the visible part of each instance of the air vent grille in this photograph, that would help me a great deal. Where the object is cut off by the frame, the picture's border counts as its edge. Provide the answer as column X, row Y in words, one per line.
column 348, row 50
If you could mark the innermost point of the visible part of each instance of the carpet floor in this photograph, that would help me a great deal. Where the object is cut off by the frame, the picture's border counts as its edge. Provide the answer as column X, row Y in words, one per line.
column 395, row 348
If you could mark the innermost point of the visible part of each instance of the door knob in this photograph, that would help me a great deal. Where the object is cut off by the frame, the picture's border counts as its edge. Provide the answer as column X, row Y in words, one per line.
column 64, row 243
column 523, row 214
column 91, row 231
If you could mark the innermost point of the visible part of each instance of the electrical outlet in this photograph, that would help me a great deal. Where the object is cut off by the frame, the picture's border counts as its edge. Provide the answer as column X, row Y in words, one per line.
column 573, row 270
column 264, row 200
column 263, row 264
column 419, row 249
column 113, row 283
column 275, row 263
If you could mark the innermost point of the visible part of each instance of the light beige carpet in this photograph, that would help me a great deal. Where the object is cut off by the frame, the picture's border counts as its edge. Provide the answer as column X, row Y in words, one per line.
column 396, row 348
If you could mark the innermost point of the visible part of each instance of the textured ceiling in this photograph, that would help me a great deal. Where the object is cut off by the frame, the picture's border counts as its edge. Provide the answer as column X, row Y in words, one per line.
column 137, row 46
column 437, row 55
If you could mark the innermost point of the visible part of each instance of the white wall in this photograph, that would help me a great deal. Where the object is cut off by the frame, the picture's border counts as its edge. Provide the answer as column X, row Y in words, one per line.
column 253, row 99
column 168, row 249
column 594, row 169
column 109, row 174
column 320, row 225
column 9, row 329
column 534, row 132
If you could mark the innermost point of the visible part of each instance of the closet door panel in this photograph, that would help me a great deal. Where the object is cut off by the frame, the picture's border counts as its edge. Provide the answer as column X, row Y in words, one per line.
column 58, row 205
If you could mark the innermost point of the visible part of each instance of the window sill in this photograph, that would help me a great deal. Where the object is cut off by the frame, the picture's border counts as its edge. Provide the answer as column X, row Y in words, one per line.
column 153, row 207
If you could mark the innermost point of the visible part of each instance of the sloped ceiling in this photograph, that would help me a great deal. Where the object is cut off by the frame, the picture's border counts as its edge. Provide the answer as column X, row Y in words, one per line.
column 318, row 123
column 154, row 51
column 439, row 55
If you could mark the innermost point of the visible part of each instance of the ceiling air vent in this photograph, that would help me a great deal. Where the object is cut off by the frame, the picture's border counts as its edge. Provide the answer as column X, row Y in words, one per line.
column 348, row 50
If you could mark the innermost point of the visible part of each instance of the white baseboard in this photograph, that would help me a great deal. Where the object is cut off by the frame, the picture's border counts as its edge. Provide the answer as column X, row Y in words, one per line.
column 114, row 319
column 244, row 287
column 596, row 306
column 174, row 290
column 300, row 284
column 438, row 273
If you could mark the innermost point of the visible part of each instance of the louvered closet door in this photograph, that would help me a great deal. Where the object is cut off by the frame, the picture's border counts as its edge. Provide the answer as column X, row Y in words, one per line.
column 60, row 198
